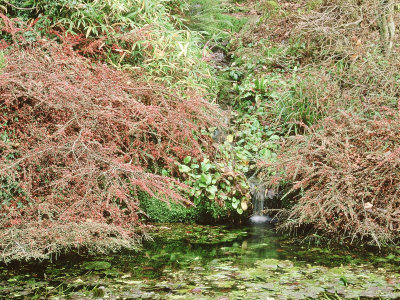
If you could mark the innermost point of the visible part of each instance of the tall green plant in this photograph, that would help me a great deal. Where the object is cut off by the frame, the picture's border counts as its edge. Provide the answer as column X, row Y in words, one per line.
column 134, row 34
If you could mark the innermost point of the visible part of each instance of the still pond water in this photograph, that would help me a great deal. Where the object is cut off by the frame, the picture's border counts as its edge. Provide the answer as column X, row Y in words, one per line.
column 211, row 262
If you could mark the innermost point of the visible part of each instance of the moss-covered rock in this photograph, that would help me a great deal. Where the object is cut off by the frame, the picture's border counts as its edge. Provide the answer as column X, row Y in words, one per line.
column 161, row 212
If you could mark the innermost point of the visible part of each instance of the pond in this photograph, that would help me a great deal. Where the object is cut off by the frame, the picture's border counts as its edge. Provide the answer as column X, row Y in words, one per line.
column 211, row 262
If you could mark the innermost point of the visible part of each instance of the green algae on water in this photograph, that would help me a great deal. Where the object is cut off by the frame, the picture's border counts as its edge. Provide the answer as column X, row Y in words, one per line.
column 209, row 262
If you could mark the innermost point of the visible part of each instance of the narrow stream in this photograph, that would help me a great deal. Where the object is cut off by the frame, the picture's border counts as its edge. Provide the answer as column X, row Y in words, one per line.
column 209, row 262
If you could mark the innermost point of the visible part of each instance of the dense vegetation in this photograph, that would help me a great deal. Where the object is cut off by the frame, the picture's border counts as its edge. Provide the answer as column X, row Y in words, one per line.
column 103, row 116
column 325, row 76
column 108, row 118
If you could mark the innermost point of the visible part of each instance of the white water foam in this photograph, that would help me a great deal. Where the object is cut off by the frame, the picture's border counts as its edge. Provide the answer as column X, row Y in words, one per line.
column 259, row 219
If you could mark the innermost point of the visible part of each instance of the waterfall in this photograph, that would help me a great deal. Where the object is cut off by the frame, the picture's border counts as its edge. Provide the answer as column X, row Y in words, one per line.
column 258, row 198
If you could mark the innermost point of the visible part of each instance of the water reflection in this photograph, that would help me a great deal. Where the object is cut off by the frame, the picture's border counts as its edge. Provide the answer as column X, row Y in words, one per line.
column 260, row 243
column 180, row 255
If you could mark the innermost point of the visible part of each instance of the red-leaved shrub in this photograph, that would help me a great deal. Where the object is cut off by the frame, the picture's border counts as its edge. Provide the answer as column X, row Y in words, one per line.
column 347, row 174
column 77, row 141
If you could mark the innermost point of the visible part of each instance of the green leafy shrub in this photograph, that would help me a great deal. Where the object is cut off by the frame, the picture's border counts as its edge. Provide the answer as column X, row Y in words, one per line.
column 251, row 92
column 18, row 8
column 254, row 140
column 291, row 103
column 97, row 18
column 216, row 188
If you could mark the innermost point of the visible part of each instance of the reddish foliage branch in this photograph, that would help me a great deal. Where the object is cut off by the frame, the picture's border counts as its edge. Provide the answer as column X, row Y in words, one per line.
column 119, row 43
column 348, row 170
column 82, row 137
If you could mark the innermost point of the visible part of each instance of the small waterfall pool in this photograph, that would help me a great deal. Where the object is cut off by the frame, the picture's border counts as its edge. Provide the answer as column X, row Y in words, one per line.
column 210, row 262
column 260, row 197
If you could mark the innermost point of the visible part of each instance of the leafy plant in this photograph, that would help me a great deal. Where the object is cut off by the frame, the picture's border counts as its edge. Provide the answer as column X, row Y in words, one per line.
column 93, row 18
column 216, row 187
column 290, row 103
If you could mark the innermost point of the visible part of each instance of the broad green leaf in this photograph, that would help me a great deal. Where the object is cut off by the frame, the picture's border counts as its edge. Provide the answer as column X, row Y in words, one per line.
column 205, row 178
column 206, row 166
column 212, row 189
column 184, row 169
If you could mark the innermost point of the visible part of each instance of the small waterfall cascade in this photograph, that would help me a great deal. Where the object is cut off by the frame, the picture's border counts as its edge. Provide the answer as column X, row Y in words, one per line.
column 259, row 197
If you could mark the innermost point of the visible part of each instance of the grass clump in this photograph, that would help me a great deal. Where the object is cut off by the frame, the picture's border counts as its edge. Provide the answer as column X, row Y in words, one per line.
column 210, row 18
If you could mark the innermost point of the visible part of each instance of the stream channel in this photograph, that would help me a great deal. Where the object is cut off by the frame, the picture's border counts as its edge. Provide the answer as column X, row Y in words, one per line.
column 210, row 262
